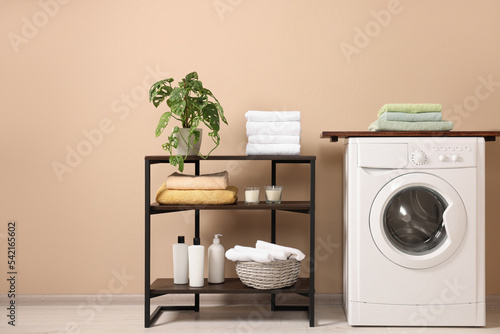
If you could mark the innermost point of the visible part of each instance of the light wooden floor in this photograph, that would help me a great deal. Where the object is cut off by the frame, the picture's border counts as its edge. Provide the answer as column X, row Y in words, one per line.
column 116, row 315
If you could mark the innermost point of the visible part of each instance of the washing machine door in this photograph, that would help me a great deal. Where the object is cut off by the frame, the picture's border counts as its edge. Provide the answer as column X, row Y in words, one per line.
column 418, row 220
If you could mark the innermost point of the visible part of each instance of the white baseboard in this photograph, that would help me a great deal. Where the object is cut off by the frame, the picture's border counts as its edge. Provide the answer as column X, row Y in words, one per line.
column 207, row 299
column 493, row 300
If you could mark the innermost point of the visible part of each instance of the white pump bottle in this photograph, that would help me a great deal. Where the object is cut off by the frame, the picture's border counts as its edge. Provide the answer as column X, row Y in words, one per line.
column 216, row 261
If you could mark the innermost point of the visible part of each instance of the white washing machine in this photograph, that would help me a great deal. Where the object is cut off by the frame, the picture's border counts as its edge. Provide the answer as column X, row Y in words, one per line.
column 414, row 231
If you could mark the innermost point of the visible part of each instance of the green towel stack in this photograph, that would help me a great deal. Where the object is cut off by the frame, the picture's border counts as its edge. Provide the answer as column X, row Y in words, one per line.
column 410, row 117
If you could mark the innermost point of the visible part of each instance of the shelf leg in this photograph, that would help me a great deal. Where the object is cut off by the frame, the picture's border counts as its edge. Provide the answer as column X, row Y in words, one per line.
column 273, row 172
column 197, row 167
column 273, row 226
column 311, row 310
column 273, row 302
column 196, row 223
column 197, row 212
column 156, row 314
column 273, row 240
column 147, row 249
column 197, row 235
column 312, row 242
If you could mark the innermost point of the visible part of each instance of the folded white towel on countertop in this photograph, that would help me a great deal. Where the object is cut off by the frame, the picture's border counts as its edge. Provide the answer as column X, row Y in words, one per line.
column 272, row 116
column 291, row 253
column 276, row 254
column 273, row 128
column 251, row 254
column 273, row 139
column 273, row 149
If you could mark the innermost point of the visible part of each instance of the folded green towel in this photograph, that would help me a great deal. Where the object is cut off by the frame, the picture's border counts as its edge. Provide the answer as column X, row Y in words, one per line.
column 409, row 117
column 381, row 125
column 410, row 108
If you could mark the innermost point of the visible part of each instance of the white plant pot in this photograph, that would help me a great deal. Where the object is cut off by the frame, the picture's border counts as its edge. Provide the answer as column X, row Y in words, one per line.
column 182, row 137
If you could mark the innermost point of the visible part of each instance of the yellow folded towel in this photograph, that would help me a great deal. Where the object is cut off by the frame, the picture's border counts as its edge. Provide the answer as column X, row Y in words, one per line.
column 206, row 181
column 208, row 197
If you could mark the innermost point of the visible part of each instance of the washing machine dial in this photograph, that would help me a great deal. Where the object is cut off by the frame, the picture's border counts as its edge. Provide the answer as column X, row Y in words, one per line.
column 419, row 158
column 455, row 158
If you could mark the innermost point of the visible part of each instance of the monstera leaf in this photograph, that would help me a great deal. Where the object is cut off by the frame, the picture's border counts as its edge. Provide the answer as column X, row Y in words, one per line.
column 210, row 114
column 159, row 91
column 162, row 123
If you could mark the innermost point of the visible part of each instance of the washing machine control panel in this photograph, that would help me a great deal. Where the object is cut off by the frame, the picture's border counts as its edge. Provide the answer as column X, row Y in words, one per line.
column 431, row 155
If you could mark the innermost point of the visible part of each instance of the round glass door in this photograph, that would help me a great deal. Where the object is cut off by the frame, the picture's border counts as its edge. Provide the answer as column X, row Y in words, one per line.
column 413, row 220
column 418, row 220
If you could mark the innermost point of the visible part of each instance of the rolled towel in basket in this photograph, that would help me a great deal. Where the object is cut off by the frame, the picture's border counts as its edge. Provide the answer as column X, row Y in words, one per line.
column 275, row 253
column 251, row 254
column 291, row 253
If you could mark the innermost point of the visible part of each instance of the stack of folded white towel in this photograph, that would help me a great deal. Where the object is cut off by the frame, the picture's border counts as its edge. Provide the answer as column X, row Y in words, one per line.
column 273, row 132
column 264, row 252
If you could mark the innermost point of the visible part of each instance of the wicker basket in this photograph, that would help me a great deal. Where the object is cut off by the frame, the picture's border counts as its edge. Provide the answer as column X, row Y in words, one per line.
column 271, row 275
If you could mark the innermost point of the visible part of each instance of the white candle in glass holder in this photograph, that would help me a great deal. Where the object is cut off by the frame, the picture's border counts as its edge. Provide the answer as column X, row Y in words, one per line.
column 273, row 194
column 251, row 195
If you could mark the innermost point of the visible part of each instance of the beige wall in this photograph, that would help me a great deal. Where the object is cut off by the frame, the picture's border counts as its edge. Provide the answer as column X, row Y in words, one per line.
column 86, row 65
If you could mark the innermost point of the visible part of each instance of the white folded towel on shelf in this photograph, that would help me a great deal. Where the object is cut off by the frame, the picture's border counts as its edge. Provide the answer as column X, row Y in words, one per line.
column 273, row 128
column 273, row 149
column 251, row 254
column 272, row 116
column 276, row 254
column 273, row 139
column 291, row 253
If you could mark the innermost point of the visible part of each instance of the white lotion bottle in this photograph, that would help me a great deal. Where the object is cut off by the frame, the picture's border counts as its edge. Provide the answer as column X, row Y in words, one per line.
column 216, row 261
column 180, row 253
column 196, row 261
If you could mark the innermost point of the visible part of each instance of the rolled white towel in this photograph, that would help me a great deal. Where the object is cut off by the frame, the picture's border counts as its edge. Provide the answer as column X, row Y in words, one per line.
column 273, row 139
column 255, row 255
column 272, row 116
column 273, row 149
column 273, row 128
column 291, row 253
column 276, row 254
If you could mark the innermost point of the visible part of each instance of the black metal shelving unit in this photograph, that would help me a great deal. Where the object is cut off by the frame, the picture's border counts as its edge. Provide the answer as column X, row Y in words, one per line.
column 163, row 286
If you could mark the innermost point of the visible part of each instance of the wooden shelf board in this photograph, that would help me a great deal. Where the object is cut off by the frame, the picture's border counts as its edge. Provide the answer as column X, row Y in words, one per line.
column 335, row 135
column 283, row 158
column 299, row 206
column 163, row 286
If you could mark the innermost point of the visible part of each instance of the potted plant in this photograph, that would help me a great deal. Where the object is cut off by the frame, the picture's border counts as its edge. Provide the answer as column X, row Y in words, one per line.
column 191, row 104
